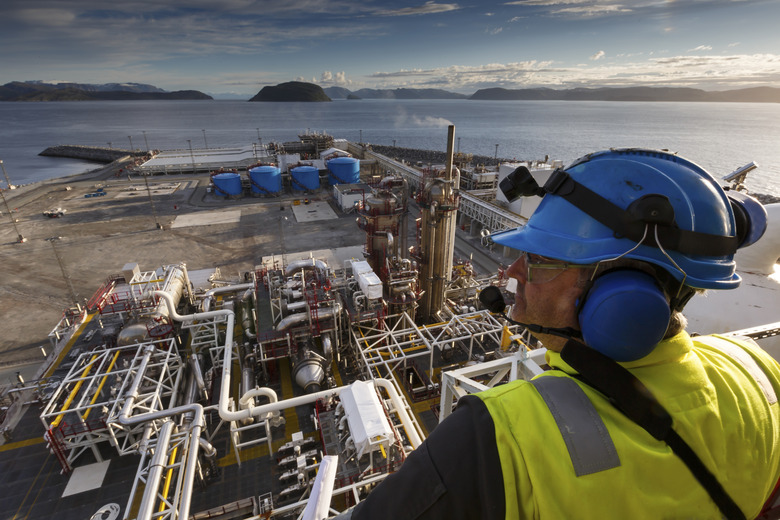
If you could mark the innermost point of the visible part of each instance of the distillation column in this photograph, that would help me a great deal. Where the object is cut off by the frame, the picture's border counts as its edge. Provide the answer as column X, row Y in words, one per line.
column 439, row 204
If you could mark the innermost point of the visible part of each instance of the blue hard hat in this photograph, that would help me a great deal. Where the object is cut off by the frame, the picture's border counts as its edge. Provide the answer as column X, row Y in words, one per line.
column 606, row 203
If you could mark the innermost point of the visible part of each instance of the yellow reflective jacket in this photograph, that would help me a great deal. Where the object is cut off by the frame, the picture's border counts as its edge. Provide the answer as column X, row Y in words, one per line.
column 724, row 408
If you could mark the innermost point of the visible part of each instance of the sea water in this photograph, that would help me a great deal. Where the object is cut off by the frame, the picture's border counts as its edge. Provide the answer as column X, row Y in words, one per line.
column 719, row 136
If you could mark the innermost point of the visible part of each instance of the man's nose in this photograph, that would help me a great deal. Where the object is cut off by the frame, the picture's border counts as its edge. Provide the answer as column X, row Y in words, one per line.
column 517, row 270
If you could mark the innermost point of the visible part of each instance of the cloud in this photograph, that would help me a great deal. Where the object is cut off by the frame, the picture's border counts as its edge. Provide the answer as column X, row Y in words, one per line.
column 694, row 71
column 193, row 44
column 592, row 10
column 543, row 2
column 45, row 17
column 427, row 8
column 584, row 8
column 328, row 79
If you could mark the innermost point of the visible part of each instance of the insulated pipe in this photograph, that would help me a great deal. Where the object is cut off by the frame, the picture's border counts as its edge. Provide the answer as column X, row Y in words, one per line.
column 197, row 373
column 208, row 296
column 295, row 319
column 189, row 398
column 208, row 450
column 197, row 423
column 146, row 509
column 247, row 383
column 174, row 285
column 196, row 428
column 192, row 463
column 247, row 319
column 302, row 264
column 247, row 401
column 229, row 415
column 295, row 306
column 229, row 289
column 292, row 319
column 327, row 346
column 400, row 409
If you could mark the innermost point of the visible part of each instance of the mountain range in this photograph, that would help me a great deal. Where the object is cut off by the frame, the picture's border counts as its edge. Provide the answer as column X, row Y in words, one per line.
column 398, row 93
column 301, row 91
column 42, row 91
column 747, row 95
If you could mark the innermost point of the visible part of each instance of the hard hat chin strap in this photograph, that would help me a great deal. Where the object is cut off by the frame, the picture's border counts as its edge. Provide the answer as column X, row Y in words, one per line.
column 631, row 223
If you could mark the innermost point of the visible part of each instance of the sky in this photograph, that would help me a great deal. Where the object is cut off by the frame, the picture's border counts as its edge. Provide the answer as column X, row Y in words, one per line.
column 236, row 47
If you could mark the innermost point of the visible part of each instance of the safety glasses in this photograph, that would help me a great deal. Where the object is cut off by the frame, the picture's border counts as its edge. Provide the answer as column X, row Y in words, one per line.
column 540, row 269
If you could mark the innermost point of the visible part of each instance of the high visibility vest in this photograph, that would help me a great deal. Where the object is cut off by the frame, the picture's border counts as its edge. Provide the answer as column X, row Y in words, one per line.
column 566, row 452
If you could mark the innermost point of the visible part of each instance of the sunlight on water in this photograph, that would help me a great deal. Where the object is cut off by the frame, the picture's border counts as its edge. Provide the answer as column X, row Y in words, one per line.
column 719, row 136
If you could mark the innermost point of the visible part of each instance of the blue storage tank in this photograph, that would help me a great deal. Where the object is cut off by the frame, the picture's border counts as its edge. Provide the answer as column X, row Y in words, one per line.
column 265, row 180
column 343, row 170
column 227, row 184
column 305, row 178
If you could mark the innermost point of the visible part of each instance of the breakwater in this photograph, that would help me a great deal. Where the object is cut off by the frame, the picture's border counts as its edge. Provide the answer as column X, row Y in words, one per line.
column 89, row 153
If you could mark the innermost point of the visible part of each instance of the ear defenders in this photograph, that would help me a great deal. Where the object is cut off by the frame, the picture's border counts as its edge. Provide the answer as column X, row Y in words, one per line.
column 623, row 314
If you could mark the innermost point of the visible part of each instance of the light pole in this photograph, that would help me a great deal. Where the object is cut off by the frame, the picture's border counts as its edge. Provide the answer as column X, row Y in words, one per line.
column 204, row 138
column 62, row 268
column 145, row 141
column 192, row 155
column 109, row 146
column 131, row 144
column 496, row 157
column 19, row 236
column 7, row 180
column 151, row 202
column 458, row 144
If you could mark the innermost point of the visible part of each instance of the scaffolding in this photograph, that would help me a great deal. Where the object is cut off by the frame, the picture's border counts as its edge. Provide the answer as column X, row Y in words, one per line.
column 80, row 413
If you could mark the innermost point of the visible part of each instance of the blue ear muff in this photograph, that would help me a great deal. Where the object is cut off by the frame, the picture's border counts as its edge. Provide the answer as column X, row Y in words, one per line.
column 624, row 315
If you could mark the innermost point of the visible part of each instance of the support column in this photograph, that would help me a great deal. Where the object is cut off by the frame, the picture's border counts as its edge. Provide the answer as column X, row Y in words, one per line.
column 476, row 227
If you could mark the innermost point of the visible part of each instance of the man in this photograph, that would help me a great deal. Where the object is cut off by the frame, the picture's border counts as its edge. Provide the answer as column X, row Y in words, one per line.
column 636, row 418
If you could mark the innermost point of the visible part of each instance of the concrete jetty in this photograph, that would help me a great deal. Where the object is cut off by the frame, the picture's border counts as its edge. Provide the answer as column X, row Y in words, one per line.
column 90, row 153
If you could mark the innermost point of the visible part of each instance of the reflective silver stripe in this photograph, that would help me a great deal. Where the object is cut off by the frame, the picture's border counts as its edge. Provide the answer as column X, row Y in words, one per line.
column 742, row 357
column 590, row 447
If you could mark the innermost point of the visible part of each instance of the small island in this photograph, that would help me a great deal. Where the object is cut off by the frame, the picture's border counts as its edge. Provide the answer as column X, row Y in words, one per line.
column 292, row 91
